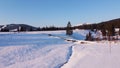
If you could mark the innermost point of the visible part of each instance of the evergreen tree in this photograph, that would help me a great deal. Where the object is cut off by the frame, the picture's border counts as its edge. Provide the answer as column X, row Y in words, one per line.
column 22, row 29
column 103, row 32
column 69, row 30
column 113, row 30
column 31, row 29
column 38, row 29
column 89, row 37
column 119, row 31
column 4, row 30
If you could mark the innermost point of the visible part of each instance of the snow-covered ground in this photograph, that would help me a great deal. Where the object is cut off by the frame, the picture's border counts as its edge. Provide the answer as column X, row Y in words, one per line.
column 51, row 49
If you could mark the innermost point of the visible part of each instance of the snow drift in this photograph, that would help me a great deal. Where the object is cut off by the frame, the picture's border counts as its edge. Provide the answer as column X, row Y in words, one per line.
column 51, row 50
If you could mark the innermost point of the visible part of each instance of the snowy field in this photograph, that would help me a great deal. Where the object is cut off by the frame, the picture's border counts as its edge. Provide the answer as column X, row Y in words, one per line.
column 53, row 49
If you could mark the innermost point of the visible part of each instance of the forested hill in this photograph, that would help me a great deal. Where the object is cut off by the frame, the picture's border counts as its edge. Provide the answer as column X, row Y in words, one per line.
column 106, row 25
column 19, row 27
column 114, row 22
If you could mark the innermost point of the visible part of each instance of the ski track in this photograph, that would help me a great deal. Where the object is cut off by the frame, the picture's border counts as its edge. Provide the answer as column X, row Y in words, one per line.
column 69, row 56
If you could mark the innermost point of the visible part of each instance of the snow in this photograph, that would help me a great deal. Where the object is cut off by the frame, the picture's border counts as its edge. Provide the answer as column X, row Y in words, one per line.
column 13, row 30
column 94, row 56
column 54, row 49
column 47, row 57
column 32, row 50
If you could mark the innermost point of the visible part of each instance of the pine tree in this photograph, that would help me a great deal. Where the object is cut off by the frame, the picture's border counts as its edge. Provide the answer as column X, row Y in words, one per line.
column 69, row 30
column 119, row 31
column 111, row 32
column 22, row 29
column 89, row 37
column 104, row 33
column 31, row 29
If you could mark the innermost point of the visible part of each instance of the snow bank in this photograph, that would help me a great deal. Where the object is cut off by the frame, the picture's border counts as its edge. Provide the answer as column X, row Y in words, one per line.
column 97, row 55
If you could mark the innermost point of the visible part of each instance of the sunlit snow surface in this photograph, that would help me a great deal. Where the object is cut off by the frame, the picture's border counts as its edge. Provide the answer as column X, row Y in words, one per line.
column 41, row 50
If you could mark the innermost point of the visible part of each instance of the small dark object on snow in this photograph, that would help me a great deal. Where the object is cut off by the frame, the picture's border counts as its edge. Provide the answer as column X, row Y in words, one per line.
column 49, row 34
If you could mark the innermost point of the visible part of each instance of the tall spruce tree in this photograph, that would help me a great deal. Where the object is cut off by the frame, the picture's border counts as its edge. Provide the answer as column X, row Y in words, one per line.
column 69, row 30
column 119, row 31
column 112, row 30
column 103, row 30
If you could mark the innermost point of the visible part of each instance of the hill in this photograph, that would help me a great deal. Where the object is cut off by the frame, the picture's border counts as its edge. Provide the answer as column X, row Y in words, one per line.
column 115, row 23
column 17, row 27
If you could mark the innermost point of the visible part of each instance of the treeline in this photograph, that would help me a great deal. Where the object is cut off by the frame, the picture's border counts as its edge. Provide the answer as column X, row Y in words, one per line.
column 22, row 29
column 110, row 29
column 103, row 25
column 51, row 28
column 86, row 26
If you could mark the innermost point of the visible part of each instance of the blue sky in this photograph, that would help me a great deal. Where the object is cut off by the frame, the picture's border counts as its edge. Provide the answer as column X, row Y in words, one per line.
column 58, row 12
